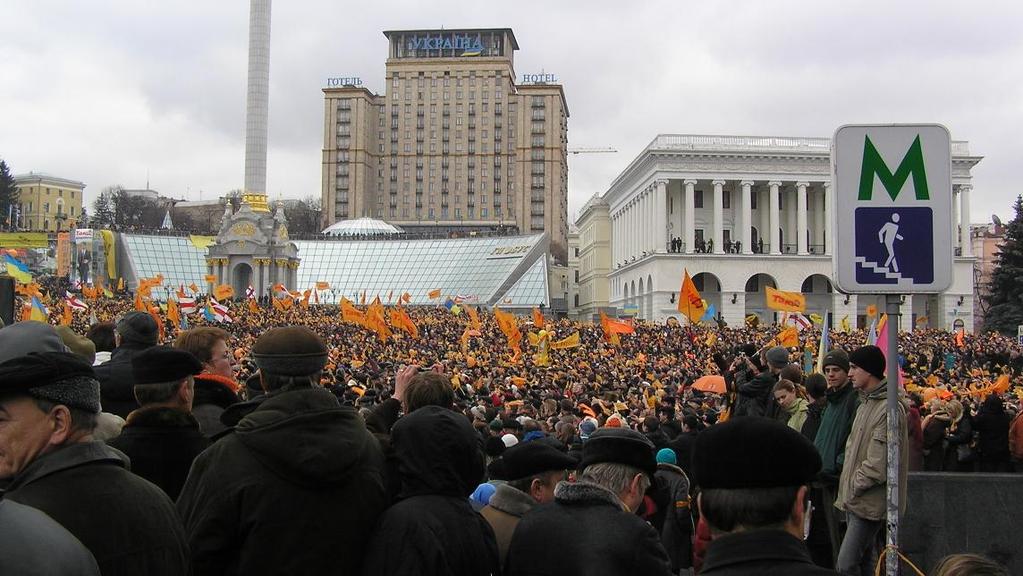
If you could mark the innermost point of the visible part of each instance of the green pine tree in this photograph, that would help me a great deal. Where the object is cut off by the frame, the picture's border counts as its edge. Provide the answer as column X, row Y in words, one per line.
column 1005, row 301
column 8, row 197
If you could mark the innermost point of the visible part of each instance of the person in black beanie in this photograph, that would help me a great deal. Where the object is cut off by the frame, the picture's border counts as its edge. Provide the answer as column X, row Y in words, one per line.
column 862, row 486
column 136, row 332
column 754, row 475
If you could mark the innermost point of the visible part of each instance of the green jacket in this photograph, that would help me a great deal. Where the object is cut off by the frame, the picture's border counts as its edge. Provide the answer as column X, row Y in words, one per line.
column 834, row 429
column 861, row 489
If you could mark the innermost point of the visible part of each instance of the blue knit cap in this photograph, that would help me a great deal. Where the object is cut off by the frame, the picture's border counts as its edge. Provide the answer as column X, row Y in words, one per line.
column 666, row 456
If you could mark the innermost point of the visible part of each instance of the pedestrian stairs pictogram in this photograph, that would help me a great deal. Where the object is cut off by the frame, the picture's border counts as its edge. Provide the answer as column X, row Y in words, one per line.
column 877, row 268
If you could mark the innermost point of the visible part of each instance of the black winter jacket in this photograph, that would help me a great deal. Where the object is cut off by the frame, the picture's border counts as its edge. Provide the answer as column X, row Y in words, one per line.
column 432, row 530
column 755, row 395
column 117, row 385
column 127, row 523
column 162, row 443
column 295, row 488
column 585, row 532
column 761, row 552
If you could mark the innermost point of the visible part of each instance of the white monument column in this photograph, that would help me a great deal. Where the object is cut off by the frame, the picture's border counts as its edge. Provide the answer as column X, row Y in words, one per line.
column 649, row 229
column 690, row 216
column 661, row 215
column 257, row 97
column 774, row 214
column 829, row 226
column 801, row 247
column 747, row 216
column 719, row 244
column 964, row 219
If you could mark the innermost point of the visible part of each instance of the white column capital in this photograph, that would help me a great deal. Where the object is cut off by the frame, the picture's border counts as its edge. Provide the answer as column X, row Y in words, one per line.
column 718, row 182
column 827, row 186
column 774, row 184
column 965, row 187
column 746, row 183
column 661, row 182
column 802, row 185
column 689, row 182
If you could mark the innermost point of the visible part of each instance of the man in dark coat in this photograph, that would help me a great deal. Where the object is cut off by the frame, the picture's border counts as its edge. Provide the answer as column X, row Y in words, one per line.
column 591, row 528
column 48, row 457
column 135, row 332
column 533, row 470
column 162, row 438
column 674, row 519
column 992, row 427
column 754, row 475
column 432, row 530
column 298, row 484
column 755, row 395
column 683, row 444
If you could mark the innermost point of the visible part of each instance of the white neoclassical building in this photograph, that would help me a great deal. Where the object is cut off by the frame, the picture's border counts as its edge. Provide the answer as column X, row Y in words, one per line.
column 745, row 212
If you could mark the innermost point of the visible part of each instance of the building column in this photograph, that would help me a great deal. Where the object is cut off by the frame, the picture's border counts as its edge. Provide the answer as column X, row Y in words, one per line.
column 906, row 323
column 818, row 219
column 829, row 226
column 747, row 217
column 964, row 219
column 719, row 244
column 690, row 215
column 801, row 247
column 774, row 215
column 649, row 229
column 661, row 216
column 956, row 231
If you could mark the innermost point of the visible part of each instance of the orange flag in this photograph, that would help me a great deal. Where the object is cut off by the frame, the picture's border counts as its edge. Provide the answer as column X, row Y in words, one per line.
column 537, row 317
column 120, row 284
column 406, row 297
column 172, row 313
column 961, row 338
column 155, row 313
column 193, row 288
column 211, row 278
column 276, row 304
column 66, row 316
column 223, row 292
column 474, row 317
column 349, row 313
column 139, row 304
column 788, row 337
column 323, row 285
column 305, row 298
column 433, row 294
column 362, row 299
column 689, row 301
column 400, row 320
column 253, row 307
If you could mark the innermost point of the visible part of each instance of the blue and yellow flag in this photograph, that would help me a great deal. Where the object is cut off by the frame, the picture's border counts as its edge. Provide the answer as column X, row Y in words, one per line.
column 39, row 312
column 17, row 269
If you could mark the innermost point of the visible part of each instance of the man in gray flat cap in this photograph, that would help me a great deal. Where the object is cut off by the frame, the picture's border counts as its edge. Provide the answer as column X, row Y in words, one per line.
column 49, row 460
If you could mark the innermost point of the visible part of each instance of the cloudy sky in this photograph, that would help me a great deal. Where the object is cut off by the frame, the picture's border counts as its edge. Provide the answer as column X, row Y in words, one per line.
column 109, row 92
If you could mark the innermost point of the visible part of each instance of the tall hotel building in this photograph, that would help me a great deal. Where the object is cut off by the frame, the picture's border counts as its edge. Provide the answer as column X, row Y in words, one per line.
column 454, row 143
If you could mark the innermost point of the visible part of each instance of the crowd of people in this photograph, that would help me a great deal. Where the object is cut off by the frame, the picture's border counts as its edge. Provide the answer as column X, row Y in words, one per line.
column 288, row 441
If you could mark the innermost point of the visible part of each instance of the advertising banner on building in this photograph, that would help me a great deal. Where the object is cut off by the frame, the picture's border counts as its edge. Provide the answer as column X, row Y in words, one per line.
column 83, row 255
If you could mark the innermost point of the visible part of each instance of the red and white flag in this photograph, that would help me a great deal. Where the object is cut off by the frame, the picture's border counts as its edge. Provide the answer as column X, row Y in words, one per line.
column 220, row 312
column 186, row 305
column 75, row 303
column 250, row 292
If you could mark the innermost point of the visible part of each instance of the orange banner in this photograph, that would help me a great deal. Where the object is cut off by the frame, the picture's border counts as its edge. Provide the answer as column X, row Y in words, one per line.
column 689, row 301
column 785, row 301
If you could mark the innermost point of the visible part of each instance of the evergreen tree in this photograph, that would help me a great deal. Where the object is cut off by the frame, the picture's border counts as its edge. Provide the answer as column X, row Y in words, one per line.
column 8, row 197
column 103, row 210
column 1005, row 301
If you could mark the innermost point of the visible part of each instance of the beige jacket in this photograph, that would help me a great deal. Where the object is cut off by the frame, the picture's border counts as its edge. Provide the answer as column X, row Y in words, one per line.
column 862, row 488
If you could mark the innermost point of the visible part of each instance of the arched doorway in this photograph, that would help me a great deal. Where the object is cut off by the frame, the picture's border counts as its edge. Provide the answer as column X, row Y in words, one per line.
column 241, row 279
column 818, row 290
column 756, row 298
column 709, row 287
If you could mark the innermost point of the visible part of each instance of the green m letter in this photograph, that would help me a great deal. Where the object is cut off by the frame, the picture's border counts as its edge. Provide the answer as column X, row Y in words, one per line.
column 912, row 163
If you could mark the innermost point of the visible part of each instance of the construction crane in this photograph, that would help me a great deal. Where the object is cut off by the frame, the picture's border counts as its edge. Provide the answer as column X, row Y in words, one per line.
column 585, row 150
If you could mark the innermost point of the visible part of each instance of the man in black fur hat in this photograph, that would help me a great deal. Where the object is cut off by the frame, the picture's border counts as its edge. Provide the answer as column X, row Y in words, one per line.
column 297, row 485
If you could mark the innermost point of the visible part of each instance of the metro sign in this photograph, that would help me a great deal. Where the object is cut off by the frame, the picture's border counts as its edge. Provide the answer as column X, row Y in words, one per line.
column 893, row 228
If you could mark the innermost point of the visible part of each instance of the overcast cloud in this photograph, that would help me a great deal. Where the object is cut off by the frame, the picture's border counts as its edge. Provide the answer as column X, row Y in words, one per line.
column 109, row 91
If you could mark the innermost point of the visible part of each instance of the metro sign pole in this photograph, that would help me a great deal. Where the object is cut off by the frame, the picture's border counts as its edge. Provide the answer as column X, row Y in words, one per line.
column 894, row 242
